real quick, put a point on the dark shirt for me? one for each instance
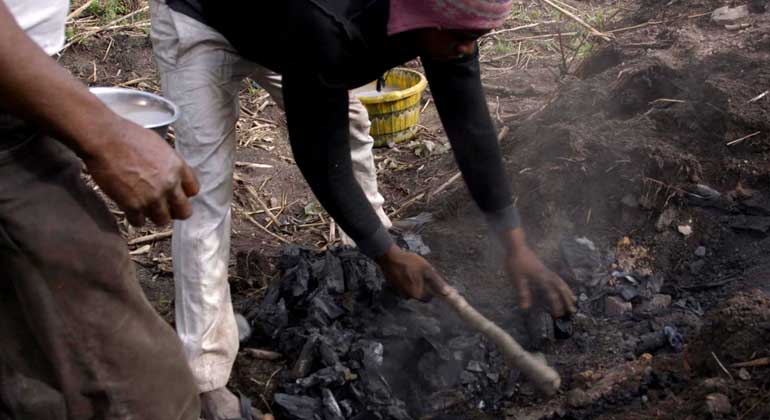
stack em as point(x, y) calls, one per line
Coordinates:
point(323, 48)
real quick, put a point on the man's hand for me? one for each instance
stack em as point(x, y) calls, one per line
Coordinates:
point(132, 165)
point(145, 177)
point(531, 277)
point(409, 273)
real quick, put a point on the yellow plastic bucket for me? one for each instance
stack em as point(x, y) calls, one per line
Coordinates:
point(395, 110)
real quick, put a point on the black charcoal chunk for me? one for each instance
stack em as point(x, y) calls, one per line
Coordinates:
point(332, 410)
point(297, 407)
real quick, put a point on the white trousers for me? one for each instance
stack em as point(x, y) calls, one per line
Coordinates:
point(202, 73)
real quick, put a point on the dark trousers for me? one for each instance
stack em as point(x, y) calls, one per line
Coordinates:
point(78, 338)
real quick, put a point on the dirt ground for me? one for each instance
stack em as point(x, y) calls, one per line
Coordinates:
point(655, 146)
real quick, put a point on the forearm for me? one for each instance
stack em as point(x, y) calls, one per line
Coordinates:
point(35, 87)
point(461, 104)
point(319, 138)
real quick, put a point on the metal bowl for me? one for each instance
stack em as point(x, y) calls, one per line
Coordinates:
point(143, 108)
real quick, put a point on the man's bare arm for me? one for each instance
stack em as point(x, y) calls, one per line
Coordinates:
point(134, 166)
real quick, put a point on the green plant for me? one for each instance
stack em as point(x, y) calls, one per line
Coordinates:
point(503, 47)
point(106, 10)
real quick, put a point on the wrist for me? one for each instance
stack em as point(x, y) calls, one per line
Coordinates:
point(98, 136)
point(390, 255)
point(514, 241)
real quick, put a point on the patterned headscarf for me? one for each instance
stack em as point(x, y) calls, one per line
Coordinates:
point(406, 15)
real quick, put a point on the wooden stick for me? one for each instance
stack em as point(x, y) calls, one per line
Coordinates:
point(518, 28)
point(133, 81)
point(724, 369)
point(150, 238)
point(639, 26)
point(266, 230)
point(77, 12)
point(445, 185)
point(758, 97)
point(263, 354)
point(406, 204)
point(568, 6)
point(545, 378)
point(764, 361)
point(582, 23)
point(265, 207)
point(252, 165)
point(544, 36)
point(736, 141)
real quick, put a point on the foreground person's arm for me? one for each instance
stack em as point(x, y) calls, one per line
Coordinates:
point(132, 165)
point(457, 92)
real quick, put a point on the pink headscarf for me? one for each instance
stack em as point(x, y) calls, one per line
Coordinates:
point(406, 15)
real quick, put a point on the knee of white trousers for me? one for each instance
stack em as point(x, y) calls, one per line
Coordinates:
point(360, 125)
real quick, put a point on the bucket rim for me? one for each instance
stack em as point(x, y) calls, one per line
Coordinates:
point(421, 84)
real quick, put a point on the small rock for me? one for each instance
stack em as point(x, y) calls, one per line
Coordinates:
point(700, 251)
point(467, 377)
point(728, 14)
point(628, 293)
point(657, 304)
point(494, 377)
point(685, 230)
point(616, 307)
point(716, 384)
point(718, 404)
point(744, 374)
point(674, 337)
point(562, 328)
point(697, 266)
point(474, 366)
point(586, 377)
point(244, 328)
point(666, 218)
point(540, 328)
point(578, 398)
point(630, 201)
point(583, 297)
point(703, 192)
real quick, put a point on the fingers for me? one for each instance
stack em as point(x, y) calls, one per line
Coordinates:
point(553, 298)
point(559, 296)
point(189, 181)
point(158, 212)
point(566, 294)
point(179, 204)
point(135, 217)
point(521, 283)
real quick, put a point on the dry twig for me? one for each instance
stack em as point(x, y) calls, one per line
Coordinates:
point(111, 25)
point(266, 230)
point(263, 354)
point(150, 238)
point(763, 361)
point(577, 19)
point(77, 12)
point(724, 369)
point(740, 140)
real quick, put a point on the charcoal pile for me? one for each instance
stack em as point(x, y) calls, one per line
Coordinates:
point(358, 351)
